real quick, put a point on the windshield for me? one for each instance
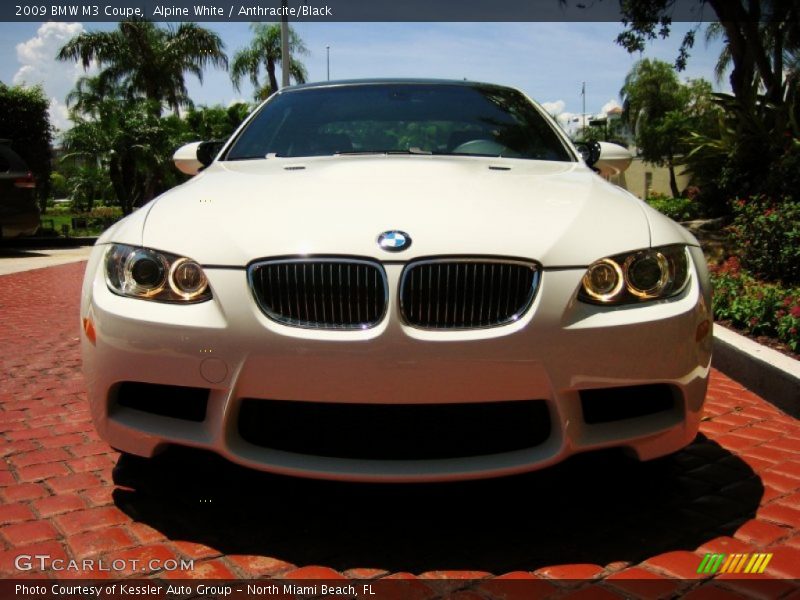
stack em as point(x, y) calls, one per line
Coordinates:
point(480, 120)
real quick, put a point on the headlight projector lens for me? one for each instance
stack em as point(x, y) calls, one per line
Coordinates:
point(647, 274)
point(145, 272)
point(603, 280)
point(186, 278)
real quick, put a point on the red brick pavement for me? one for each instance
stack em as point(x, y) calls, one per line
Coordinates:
point(737, 489)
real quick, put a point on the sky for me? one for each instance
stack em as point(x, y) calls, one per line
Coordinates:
point(547, 61)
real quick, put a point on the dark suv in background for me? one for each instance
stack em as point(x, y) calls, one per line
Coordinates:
point(19, 213)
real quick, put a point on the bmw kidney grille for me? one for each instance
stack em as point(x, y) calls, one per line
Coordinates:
point(466, 293)
point(321, 293)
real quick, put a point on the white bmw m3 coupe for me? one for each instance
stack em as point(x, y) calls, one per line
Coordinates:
point(396, 280)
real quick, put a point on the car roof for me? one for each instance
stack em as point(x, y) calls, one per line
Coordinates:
point(389, 81)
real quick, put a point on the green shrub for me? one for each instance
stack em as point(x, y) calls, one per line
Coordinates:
point(106, 212)
point(783, 177)
point(757, 307)
point(766, 233)
point(789, 322)
point(678, 209)
point(60, 210)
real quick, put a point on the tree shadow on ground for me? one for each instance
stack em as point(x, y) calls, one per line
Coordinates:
point(594, 508)
point(6, 252)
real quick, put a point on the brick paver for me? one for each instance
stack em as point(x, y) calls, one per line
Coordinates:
point(616, 527)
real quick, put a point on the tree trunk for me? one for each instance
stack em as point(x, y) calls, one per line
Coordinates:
point(273, 81)
point(673, 182)
point(115, 174)
point(731, 16)
point(154, 95)
point(748, 52)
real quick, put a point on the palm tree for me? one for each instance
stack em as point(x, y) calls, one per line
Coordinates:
point(785, 50)
point(88, 183)
point(148, 60)
point(89, 97)
point(265, 50)
point(131, 144)
point(779, 107)
point(214, 122)
point(654, 105)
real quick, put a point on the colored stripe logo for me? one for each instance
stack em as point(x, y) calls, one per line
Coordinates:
point(734, 563)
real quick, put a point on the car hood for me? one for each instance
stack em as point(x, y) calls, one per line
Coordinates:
point(560, 214)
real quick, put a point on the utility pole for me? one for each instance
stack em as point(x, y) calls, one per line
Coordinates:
point(583, 114)
point(286, 59)
point(328, 51)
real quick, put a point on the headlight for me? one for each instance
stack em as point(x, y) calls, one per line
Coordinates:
point(649, 274)
point(154, 275)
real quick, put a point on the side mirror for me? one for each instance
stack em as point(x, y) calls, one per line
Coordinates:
point(613, 160)
point(193, 158)
point(590, 152)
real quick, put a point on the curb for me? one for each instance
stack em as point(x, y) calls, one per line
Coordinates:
point(772, 375)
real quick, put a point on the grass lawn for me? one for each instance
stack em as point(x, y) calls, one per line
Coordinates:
point(92, 226)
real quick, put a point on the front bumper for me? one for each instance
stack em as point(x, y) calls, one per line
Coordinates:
point(557, 349)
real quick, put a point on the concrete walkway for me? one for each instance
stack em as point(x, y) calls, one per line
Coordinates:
point(15, 260)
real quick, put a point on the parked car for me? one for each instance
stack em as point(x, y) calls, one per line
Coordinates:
point(394, 280)
point(19, 213)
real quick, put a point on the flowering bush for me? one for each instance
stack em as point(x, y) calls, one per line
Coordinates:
point(766, 233)
point(692, 192)
point(789, 323)
point(759, 308)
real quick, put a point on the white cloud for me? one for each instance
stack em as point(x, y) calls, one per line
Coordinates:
point(609, 106)
point(49, 38)
point(59, 115)
point(554, 108)
point(39, 66)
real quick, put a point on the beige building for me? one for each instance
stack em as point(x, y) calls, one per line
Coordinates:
point(641, 177)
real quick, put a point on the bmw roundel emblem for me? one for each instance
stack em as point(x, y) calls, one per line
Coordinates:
point(394, 241)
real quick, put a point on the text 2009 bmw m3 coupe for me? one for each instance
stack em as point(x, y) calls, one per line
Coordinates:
point(396, 281)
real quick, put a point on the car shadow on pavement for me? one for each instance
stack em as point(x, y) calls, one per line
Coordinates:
point(594, 508)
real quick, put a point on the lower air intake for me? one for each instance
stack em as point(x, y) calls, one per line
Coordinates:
point(178, 402)
point(394, 432)
point(619, 403)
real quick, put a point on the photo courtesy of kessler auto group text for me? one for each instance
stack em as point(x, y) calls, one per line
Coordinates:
point(393, 300)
